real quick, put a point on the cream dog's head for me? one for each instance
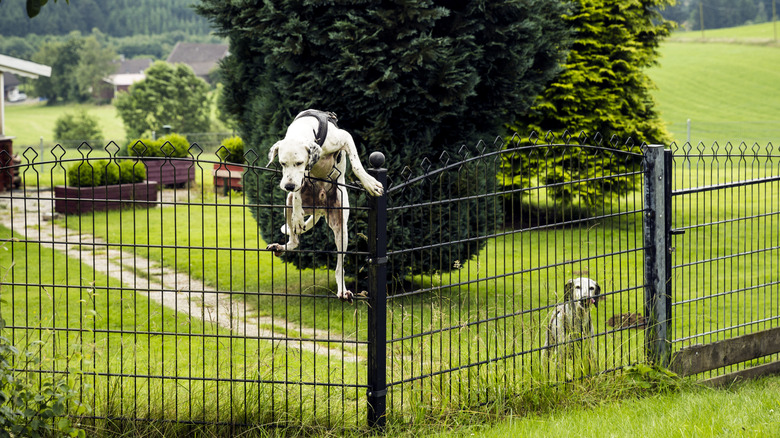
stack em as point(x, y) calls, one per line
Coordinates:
point(296, 159)
point(583, 291)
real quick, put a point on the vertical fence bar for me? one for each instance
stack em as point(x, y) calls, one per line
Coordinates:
point(658, 257)
point(377, 298)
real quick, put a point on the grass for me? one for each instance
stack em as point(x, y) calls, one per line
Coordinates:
point(28, 123)
point(142, 360)
point(726, 90)
point(762, 33)
point(750, 409)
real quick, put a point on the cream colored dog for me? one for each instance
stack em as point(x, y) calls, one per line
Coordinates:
point(570, 321)
point(313, 156)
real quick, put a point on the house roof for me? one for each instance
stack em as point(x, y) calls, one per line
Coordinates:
point(20, 67)
point(133, 66)
point(201, 57)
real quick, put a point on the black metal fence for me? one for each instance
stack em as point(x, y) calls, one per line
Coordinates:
point(171, 309)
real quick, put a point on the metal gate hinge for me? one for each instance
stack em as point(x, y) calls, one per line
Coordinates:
point(378, 261)
point(381, 393)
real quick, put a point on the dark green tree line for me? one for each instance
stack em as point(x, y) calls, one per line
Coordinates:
point(112, 17)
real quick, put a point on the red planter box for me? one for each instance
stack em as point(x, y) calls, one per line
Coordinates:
point(170, 171)
point(228, 175)
point(77, 200)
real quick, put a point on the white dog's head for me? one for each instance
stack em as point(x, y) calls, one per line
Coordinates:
point(583, 291)
point(296, 159)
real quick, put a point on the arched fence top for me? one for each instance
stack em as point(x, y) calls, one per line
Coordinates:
point(513, 146)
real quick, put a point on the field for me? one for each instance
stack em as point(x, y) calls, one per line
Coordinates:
point(29, 122)
point(727, 91)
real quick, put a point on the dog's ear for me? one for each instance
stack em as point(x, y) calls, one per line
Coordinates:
point(272, 153)
point(314, 153)
point(568, 291)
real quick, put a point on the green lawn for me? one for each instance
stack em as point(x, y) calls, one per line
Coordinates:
point(29, 122)
point(727, 91)
point(762, 33)
point(751, 409)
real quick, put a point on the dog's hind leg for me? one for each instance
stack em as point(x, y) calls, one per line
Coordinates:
point(338, 218)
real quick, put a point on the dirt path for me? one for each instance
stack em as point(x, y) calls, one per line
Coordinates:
point(31, 216)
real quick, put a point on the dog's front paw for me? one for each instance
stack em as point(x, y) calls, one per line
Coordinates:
point(373, 187)
point(298, 224)
point(276, 248)
point(345, 295)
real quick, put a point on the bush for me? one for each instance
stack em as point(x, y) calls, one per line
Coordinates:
point(169, 95)
point(144, 147)
point(71, 129)
point(87, 174)
point(98, 173)
point(29, 408)
point(171, 145)
point(131, 172)
point(174, 146)
point(232, 150)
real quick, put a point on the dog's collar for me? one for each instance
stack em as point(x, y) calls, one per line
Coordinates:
point(323, 118)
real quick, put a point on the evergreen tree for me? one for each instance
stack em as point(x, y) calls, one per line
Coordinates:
point(168, 95)
point(603, 89)
point(411, 78)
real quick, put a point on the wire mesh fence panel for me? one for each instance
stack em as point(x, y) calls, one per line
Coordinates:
point(726, 216)
point(165, 305)
point(479, 305)
point(507, 266)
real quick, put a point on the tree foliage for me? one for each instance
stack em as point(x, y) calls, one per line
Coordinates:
point(168, 95)
point(78, 65)
point(411, 78)
point(113, 17)
point(603, 89)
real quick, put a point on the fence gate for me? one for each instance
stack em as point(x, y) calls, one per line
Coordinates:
point(725, 247)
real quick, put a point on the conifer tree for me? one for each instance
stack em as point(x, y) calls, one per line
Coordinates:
point(602, 90)
point(411, 78)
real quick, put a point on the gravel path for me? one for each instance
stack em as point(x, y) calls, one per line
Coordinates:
point(30, 215)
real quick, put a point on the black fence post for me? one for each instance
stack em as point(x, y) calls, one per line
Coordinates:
point(658, 254)
point(377, 297)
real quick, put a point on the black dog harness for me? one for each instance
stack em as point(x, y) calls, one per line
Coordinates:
point(323, 118)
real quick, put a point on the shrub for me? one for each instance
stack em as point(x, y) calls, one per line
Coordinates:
point(131, 172)
point(144, 147)
point(232, 150)
point(174, 146)
point(111, 173)
point(87, 174)
point(171, 145)
point(98, 173)
point(71, 129)
point(168, 95)
point(29, 408)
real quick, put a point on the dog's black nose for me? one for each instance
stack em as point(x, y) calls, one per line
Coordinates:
point(289, 187)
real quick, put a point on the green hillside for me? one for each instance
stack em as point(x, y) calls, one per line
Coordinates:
point(729, 92)
point(755, 33)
